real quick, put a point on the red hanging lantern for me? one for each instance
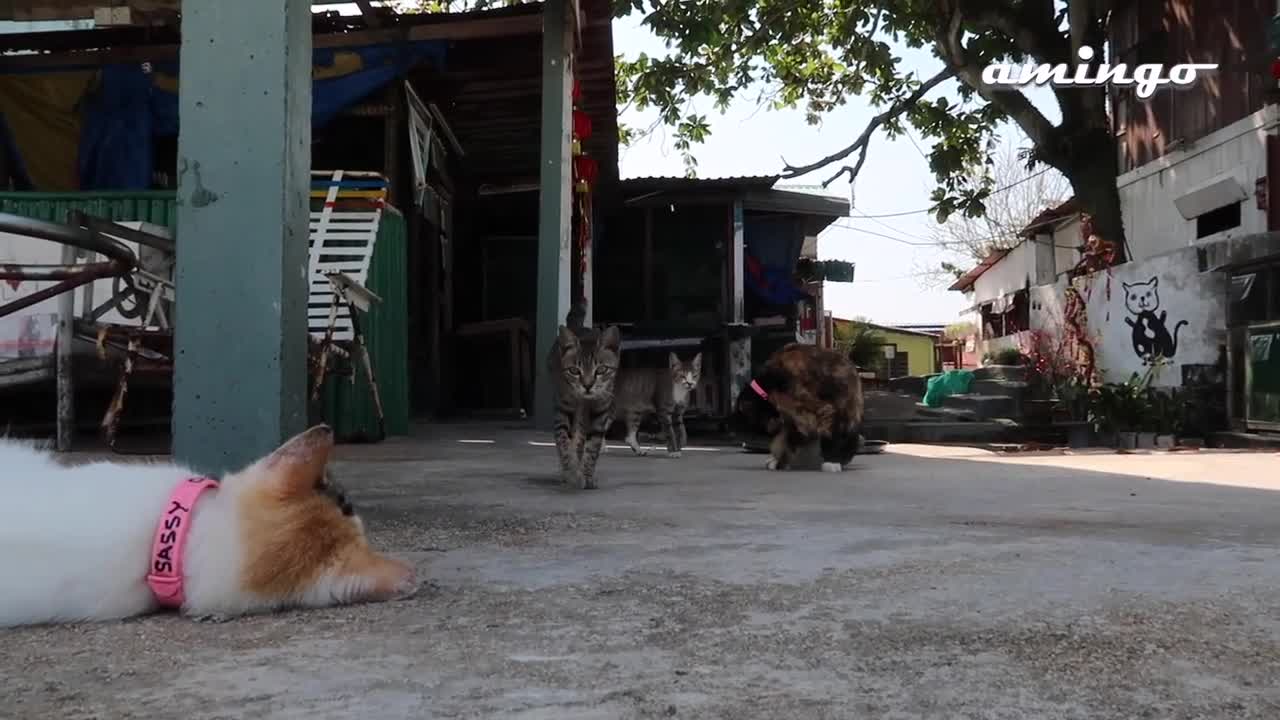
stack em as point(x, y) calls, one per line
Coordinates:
point(581, 125)
point(585, 171)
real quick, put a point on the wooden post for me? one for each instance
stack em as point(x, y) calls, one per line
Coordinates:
point(646, 264)
point(555, 212)
point(240, 340)
point(588, 263)
point(736, 265)
point(64, 360)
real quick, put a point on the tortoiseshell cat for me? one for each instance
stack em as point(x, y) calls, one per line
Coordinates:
point(661, 391)
point(583, 364)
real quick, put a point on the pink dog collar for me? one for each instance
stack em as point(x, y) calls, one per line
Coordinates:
point(759, 390)
point(165, 577)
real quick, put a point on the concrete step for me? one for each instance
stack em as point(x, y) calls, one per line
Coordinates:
point(889, 406)
point(909, 385)
point(1245, 440)
point(1000, 372)
point(924, 413)
point(943, 432)
point(985, 407)
point(1009, 388)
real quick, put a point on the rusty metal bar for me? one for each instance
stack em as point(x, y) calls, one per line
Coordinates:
point(52, 291)
point(108, 227)
point(121, 259)
point(57, 272)
point(68, 235)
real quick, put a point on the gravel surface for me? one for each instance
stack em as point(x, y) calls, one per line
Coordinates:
point(925, 582)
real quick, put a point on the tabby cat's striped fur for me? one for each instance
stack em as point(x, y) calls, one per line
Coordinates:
point(583, 364)
point(661, 391)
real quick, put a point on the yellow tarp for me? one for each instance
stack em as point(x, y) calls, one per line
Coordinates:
point(43, 112)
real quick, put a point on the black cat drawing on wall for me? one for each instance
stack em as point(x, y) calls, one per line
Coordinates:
point(1151, 337)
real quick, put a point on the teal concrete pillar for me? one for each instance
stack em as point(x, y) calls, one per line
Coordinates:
point(555, 211)
point(244, 160)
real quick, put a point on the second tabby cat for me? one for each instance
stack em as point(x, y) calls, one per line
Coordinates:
point(665, 392)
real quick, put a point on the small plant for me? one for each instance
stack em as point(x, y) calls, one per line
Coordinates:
point(959, 331)
point(1072, 395)
point(1053, 373)
point(1168, 408)
point(1124, 407)
point(863, 344)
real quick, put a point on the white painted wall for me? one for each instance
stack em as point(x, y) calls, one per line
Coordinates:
point(1185, 294)
point(1011, 274)
point(1153, 224)
point(1037, 261)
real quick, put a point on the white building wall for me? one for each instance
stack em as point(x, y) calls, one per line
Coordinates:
point(1066, 240)
point(1011, 274)
point(1153, 224)
point(1191, 307)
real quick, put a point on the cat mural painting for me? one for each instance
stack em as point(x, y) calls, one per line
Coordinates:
point(1152, 339)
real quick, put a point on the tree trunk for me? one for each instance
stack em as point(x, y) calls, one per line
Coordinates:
point(1093, 178)
point(1087, 155)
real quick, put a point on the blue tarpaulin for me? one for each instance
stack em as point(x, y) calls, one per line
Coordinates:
point(773, 244)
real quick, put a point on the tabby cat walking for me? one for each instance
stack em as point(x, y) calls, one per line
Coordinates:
point(583, 365)
point(664, 392)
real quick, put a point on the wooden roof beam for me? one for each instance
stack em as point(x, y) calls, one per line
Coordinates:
point(462, 29)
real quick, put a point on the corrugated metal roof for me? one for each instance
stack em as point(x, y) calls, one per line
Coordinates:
point(659, 182)
point(1047, 217)
point(887, 328)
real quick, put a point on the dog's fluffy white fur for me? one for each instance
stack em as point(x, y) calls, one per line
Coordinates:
point(75, 542)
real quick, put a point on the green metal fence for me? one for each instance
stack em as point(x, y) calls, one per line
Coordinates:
point(158, 207)
point(349, 408)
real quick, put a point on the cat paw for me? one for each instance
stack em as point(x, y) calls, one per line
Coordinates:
point(771, 464)
point(832, 467)
point(675, 454)
point(641, 452)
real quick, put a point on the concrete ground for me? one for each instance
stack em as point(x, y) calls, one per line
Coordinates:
point(925, 582)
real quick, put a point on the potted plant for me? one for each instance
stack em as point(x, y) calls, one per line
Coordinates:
point(1072, 396)
point(1104, 401)
point(1136, 410)
point(1169, 418)
point(1123, 408)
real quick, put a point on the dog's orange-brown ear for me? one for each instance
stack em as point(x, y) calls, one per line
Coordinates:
point(296, 465)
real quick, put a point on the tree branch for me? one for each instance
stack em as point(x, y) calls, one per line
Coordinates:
point(1038, 129)
point(853, 171)
point(894, 110)
point(1032, 27)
